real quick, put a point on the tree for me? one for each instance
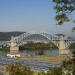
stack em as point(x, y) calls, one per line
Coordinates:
point(73, 62)
point(55, 71)
point(51, 71)
point(63, 9)
point(68, 66)
point(18, 69)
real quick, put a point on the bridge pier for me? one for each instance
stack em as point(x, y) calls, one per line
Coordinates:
point(62, 46)
point(64, 53)
point(13, 45)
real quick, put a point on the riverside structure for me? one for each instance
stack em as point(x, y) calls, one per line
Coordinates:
point(41, 62)
point(62, 42)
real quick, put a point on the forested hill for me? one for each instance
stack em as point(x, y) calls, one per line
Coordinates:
point(5, 36)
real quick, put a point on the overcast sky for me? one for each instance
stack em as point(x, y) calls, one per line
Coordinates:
point(29, 16)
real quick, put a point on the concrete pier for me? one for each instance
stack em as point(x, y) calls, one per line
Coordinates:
point(13, 45)
point(62, 47)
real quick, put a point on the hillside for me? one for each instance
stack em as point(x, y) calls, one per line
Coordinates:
point(5, 36)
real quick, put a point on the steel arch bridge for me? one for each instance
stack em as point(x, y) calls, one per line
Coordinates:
point(62, 42)
point(23, 38)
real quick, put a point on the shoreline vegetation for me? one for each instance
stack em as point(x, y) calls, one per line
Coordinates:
point(33, 46)
point(38, 46)
point(42, 46)
point(5, 49)
point(19, 69)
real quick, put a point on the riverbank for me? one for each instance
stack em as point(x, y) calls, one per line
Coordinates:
point(5, 49)
point(38, 46)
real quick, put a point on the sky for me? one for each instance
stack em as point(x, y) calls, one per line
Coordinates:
point(30, 16)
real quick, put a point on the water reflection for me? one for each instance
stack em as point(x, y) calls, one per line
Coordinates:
point(33, 52)
point(42, 52)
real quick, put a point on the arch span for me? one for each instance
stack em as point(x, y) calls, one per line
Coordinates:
point(42, 37)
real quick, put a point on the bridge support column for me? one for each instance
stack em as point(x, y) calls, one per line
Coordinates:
point(13, 45)
point(62, 46)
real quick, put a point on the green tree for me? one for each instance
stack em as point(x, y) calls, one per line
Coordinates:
point(73, 62)
point(42, 73)
point(63, 9)
point(69, 65)
point(18, 69)
point(55, 71)
point(52, 71)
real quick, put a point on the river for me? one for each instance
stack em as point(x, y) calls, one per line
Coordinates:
point(37, 65)
point(53, 52)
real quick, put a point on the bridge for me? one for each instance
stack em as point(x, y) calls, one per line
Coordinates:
point(61, 41)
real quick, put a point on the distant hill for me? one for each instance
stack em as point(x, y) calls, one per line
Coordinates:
point(5, 36)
